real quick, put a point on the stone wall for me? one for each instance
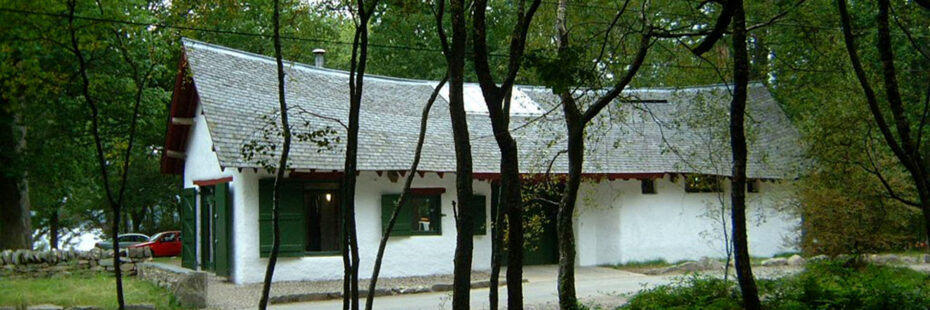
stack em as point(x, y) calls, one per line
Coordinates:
point(37, 264)
point(189, 287)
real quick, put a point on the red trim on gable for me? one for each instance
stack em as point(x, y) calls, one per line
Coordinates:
point(428, 191)
point(184, 102)
point(213, 181)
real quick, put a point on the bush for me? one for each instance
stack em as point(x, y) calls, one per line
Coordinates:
point(830, 285)
point(822, 285)
point(693, 292)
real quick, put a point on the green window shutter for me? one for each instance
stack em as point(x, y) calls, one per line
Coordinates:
point(292, 221)
point(404, 224)
point(479, 214)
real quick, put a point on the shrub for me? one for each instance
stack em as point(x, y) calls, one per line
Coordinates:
point(830, 285)
point(822, 285)
point(693, 292)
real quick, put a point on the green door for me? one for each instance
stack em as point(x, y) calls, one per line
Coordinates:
point(206, 227)
point(221, 229)
point(541, 248)
point(188, 228)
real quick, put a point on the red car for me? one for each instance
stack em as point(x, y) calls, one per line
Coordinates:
point(166, 243)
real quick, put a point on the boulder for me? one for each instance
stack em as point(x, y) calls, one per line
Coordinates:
point(127, 267)
point(6, 256)
point(777, 261)
point(796, 260)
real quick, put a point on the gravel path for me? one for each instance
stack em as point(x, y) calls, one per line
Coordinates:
point(225, 295)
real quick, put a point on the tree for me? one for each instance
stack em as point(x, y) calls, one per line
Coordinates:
point(906, 145)
point(115, 198)
point(497, 99)
point(363, 11)
point(282, 163)
point(576, 119)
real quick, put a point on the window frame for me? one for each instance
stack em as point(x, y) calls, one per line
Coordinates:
point(309, 186)
point(435, 201)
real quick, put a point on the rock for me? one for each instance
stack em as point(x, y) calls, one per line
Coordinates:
point(45, 307)
point(7, 308)
point(97, 268)
point(140, 307)
point(441, 287)
point(16, 257)
point(413, 290)
point(796, 260)
point(147, 253)
point(107, 262)
point(909, 260)
point(777, 261)
point(708, 263)
point(84, 308)
point(819, 258)
point(127, 267)
point(925, 259)
point(6, 256)
point(887, 259)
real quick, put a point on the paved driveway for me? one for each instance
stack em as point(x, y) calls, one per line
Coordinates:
point(594, 285)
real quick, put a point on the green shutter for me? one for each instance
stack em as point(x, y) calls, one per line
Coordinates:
point(403, 225)
point(292, 221)
point(189, 228)
point(479, 214)
point(221, 229)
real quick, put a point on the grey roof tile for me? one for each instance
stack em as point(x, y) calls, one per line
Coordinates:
point(688, 134)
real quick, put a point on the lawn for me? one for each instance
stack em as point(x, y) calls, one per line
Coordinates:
point(82, 288)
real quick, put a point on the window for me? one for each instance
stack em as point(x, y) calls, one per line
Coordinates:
point(699, 183)
point(309, 217)
point(323, 219)
point(420, 215)
point(648, 185)
point(752, 186)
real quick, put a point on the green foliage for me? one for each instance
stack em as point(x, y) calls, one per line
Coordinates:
point(692, 292)
point(830, 285)
point(822, 285)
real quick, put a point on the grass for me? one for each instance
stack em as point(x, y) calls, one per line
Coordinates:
point(82, 289)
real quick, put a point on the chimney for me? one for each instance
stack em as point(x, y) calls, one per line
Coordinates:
point(319, 57)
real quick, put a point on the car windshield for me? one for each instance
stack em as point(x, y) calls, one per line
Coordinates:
point(156, 236)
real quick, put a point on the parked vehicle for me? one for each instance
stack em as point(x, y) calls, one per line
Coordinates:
point(166, 243)
point(125, 240)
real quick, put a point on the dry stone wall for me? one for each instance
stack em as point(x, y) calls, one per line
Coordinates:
point(37, 264)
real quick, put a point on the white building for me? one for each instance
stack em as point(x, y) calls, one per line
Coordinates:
point(652, 163)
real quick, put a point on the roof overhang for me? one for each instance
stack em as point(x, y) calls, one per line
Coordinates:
point(183, 105)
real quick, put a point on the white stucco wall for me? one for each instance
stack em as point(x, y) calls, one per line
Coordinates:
point(404, 256)
point(616, 223)
point(201, 164)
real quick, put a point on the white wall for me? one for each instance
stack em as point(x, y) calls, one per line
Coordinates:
point(202, 164)
point(404, 255)
point(616, 223)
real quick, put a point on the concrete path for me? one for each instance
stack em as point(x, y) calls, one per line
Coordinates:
point(594, 285)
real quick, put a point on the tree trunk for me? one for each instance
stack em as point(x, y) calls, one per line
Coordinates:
point(282, 163)
point(53, 230)
point(510, 193)
point(497, 238)
point(15, 222)
point(738, 145)
point(463, 160)
point(565, 230)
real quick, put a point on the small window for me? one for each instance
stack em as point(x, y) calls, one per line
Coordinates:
point(698, 183)
point(420, 215)
point(649, 186)
point(753, 186)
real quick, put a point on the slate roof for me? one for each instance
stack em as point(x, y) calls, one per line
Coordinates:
point(684, 133)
